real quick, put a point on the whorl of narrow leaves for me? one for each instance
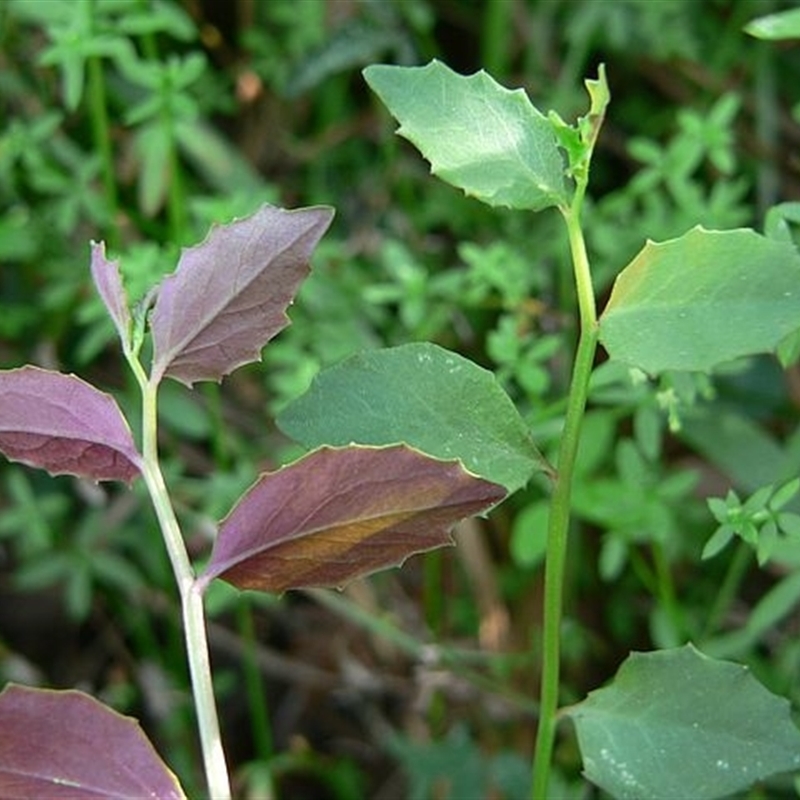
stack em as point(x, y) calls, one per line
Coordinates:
point(229, 294)
point(62, 424)
point(339, 513)
point(68, 746)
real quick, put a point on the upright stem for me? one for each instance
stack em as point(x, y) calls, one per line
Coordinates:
point(558, 522)
point(191, 597)
point(101, 131)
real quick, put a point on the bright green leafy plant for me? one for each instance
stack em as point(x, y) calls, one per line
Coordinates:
point(688, 304)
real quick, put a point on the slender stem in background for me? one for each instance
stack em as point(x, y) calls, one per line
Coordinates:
point(176, 201)
point(558, 521)
point(101, 130)
point(496, 25)
point(667, 597)
point(257, 697)
point(432, 594)
point(427, 654)
point(729, 589)
point(191, 596)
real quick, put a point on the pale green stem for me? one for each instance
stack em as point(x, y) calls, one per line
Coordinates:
point(558, 521)
point(191, 596)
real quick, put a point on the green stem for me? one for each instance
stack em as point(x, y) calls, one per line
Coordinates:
point(191, 596)
point(101, 131)
point(558, 522)
point(427, 654)
point(257, 697)
point(729, 589)
point(495, 39)
point(176, 204)
point(433, 602)
point(666, 590)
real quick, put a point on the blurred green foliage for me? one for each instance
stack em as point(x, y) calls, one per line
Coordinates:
point(141, 122)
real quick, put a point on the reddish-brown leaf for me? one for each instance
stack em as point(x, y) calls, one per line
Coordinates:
point(339, 513)
point(62, 424)
point(229, 294)
point(108, 282)
point(69, 746)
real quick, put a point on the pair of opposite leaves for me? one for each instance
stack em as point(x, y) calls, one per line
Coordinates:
point(331, 516)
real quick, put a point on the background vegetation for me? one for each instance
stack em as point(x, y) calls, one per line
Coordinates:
point(140, 122)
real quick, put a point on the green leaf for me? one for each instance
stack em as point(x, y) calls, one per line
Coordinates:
point(479, 136)
point(702, 299)
point(784, 494)
point(718, 541)
point(782, 25)
point(153, 143)
point(422, 395)
point(737, 446)
point(780, 601)
point(676, 724)
point(529, 534)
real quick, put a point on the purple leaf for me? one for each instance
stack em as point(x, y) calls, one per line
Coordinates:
point(339, 513)
point(62, 424)
point(68, 746)
point(229, 294)
point(107, 279)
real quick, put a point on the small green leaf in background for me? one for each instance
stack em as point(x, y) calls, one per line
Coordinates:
point(422, 395)
point(760, 520)
point(479, 136)
point(675, 724)
point(704, 298)
point(782, 25)
point(455, 768)
point(529, 534)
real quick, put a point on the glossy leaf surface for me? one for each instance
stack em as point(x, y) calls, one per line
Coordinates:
point(479, 136)
point(108, 281)
point(339, 513)
point(229, 294)
point(62, 424)
point(677, 724)
point(68, 746)
point(425, 396)
point(702, 299)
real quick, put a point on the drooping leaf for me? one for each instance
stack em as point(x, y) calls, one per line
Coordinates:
point(229, 294)
point(65, 745)
point(707, 297)
point(425, 396)
point(108, 282)
point(339, 513)
point(676, 724)
point(62, 424)
point(479, 136)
